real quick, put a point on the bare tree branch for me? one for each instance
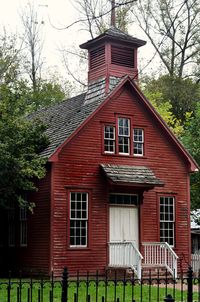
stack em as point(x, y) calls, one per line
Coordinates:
point(173, 29)
point(34, 44)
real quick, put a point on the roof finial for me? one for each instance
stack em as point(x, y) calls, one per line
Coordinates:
point(113, 13)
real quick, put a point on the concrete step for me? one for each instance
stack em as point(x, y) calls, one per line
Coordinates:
point(123, 273)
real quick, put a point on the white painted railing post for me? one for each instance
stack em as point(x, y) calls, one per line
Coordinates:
point(125, 254)
point(160, 254)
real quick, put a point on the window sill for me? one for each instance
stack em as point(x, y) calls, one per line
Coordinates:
point(78, 248)
point(124, 155)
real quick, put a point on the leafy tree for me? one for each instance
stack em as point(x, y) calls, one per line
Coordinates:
point(9, 57)
point(21, 141)
point(48, 93)
point(164, 108)
point(183, 94)
point(191, 139)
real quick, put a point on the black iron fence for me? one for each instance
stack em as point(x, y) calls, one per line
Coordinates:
point(113, 286)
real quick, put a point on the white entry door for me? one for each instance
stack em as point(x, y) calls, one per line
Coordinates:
point(124, 224)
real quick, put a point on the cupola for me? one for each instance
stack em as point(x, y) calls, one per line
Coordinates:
point(112, 54)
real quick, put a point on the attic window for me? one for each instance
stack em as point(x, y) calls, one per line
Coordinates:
point(122, 56)
point(97, 57)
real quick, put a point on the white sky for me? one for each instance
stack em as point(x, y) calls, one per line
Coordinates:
point(58, 13)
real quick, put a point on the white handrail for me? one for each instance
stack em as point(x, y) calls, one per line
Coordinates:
point(160, 254)
point(171, 250)
point(125, 254)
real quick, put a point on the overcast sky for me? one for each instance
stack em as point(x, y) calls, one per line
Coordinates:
point(53, 13)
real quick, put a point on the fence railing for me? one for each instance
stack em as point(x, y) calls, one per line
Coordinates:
point(125, 254)
point(101, 288)
point(195, 263)
point(160, 254)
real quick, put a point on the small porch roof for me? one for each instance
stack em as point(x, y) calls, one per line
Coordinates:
point(139, 176)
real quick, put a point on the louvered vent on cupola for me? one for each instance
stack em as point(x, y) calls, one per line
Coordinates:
point(97, 57)
point(112, 54)
point(122, 56)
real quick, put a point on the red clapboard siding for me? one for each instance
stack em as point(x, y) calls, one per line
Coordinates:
point(35, 256)
point(78, 167)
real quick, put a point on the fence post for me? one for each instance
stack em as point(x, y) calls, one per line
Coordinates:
point(169, 298)
point(64, 297)
point(190, 284)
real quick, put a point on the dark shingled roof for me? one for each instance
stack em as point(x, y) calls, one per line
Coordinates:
point(134, 175)
point(64, 118)
point(114, 34)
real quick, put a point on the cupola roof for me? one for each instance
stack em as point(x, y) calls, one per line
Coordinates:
point(113, 34)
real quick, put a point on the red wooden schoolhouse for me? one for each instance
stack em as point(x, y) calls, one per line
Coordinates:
point(117, 188)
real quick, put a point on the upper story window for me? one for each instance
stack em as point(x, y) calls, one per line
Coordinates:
point(138, 142)
point(78, 219)
point(124, 135)
point(122, 139)
point(109, 139)
point(167, 219)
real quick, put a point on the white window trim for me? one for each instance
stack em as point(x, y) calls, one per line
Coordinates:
point(110, 139)
point(80, 219)
point(123, 136)
point(169, 221)
point(139, 142)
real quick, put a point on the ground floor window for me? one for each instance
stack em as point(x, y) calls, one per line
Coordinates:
point(167, 219)
point(23, 226)
point(78, 219)
point(13, 225)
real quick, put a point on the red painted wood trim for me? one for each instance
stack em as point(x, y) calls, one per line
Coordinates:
point(189, 225)
point(51, 218)
point(108, 226)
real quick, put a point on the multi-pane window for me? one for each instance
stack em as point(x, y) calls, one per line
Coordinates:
point(124, 199)
point(3, 222)
point(124, 135)
point(138, 141)
point(11, 224)
point(109, 139)
point(23, 226)
point(78, 219)
point(122, 139)
point(167, 219)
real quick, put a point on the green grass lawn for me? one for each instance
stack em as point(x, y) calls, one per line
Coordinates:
point(139, 292)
